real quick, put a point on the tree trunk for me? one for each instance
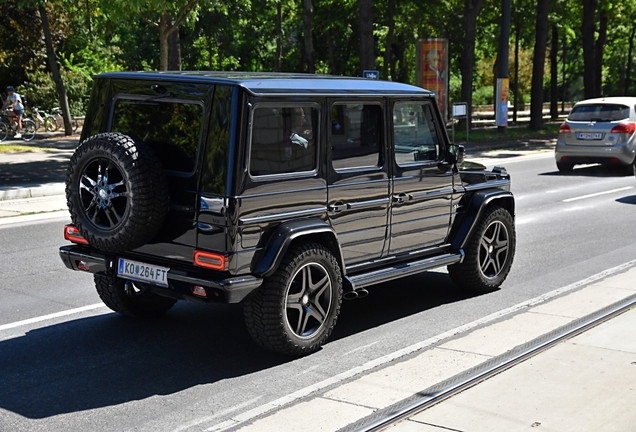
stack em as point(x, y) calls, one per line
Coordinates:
point(388, 54)
point(538, 65)
point(588, 28)
point(471, 11)
point(308, 11)
point(55, 71)
point(599, 51)
point(367, 45)
point(174, 47)
point(164, 27)
point(628, 68)
point(515, 108)
point(554, 74)
point(89, 20)
point(279, 36)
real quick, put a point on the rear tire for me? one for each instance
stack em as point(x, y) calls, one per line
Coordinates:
point(130, 298)
point(565, 167)
point(28, 130)
point(489, 253)
point(295, 310)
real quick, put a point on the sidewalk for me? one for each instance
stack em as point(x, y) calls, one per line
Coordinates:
point(587, 383)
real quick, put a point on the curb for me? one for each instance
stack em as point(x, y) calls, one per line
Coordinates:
point(31, 191)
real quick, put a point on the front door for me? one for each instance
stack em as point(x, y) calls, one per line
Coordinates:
point(358, 186)
point(422, 185)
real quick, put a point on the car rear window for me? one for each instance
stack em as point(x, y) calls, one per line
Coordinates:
point(599, 113)
point(171, 128)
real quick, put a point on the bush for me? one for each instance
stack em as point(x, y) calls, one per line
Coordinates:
point(40, 90)
point(484, 96)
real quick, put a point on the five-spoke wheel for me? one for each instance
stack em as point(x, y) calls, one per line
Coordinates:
point(493, 249)
point(296, 308)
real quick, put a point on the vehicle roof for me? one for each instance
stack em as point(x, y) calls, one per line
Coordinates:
point(622, 100)
point(273, 83)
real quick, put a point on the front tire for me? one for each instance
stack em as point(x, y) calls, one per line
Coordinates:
point(130, 298)
point(489, 253)
point(295, 310)
point(4, 131)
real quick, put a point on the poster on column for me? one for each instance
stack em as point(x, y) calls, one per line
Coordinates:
point(432, 67)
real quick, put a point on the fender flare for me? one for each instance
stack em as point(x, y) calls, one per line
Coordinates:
point(266, 262)
point(464, 226)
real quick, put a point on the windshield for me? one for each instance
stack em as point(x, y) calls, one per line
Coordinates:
point(599, 113)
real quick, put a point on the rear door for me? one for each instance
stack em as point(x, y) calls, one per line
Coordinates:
point(358, 179)
point(422, 183)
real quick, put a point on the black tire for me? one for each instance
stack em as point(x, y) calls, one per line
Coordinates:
point(4, 131)
point(130, 299)
point(489, 253)
point(565, 167)
point(116, 192)
point(291, 313)
point(28, 130)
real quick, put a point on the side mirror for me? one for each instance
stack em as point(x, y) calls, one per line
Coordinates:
point(458, 152)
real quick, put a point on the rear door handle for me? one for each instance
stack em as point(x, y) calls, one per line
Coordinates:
point(337, 207)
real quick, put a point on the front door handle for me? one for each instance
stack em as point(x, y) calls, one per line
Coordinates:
point(337, 207)
point(401, 198)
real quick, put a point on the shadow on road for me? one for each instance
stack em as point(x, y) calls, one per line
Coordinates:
point(593, 171)
point(627, 200)
point(109, 360)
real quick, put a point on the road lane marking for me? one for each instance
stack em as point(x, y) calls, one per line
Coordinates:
point(597, 194)
point(224, 412)
point(51, 316)
point(380, 361)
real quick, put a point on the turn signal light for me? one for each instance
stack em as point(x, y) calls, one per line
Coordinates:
point(72, 234)
point(211, 260)
point(565, 128)
point(626, 128)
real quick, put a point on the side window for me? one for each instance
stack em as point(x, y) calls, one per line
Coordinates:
point(214, 172)
point(172, 129)
point(356, 136)
point(284, 140)
point(414, 132)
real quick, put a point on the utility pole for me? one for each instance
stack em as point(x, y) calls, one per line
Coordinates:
point(504, 44)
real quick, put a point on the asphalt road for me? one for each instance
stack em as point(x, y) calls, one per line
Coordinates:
point(192, 369)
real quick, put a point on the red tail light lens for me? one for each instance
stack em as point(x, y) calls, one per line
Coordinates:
point(565, 128)
point(72, 234)
point(211, 260)
point(626, 128)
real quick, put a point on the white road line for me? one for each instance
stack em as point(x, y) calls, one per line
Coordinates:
point(217, 414)
point(598, 194)
point(255, 412)
point(51, 316)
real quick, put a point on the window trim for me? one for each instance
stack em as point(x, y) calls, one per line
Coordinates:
point(383, 145)
point(250, 131)
point(440, 138)
point(126, 96)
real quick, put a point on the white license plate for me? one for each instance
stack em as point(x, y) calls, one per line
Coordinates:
point(589, 135)
point(143, 272)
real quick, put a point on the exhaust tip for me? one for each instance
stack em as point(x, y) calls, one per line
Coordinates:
point(362, 292)
point(350, 295)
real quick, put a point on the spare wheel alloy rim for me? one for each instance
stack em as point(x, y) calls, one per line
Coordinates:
point(104, 195)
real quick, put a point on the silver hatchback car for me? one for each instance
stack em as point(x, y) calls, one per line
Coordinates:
point(598, 131)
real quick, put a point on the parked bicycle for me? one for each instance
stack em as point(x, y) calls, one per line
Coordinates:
point(43, 120)
point(59, 119)
point(9, 127)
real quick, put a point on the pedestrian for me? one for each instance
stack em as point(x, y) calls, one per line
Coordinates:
point(14, 104)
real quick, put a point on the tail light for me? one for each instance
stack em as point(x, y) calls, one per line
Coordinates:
point(626, 128)
point(211, 260)
point(565, 128)
point(72, 234)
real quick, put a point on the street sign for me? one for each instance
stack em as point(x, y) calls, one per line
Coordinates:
point(371, 74)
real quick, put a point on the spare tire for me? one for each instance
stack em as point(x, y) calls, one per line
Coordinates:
point(116, 192)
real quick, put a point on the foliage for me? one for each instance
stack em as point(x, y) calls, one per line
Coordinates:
point(40, 91)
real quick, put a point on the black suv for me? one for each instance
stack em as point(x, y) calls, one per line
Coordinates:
point(284, 192)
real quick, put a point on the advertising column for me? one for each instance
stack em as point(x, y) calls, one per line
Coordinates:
point(432, 70)
point(501, 104)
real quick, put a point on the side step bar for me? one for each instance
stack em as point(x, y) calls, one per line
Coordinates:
point(404, 269)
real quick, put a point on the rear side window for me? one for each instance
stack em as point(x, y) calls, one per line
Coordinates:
point(599, 113)
point(284, 140)
point(414, 134)
point(171, 128)
point(356, 135)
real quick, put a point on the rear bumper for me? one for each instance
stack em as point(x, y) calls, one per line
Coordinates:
point(595, 154)
point(181, 278)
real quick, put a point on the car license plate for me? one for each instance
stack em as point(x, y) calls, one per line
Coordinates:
point(143, 272)
point(589, 135)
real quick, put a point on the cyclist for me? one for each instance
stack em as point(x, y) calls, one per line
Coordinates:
point(14, 103)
